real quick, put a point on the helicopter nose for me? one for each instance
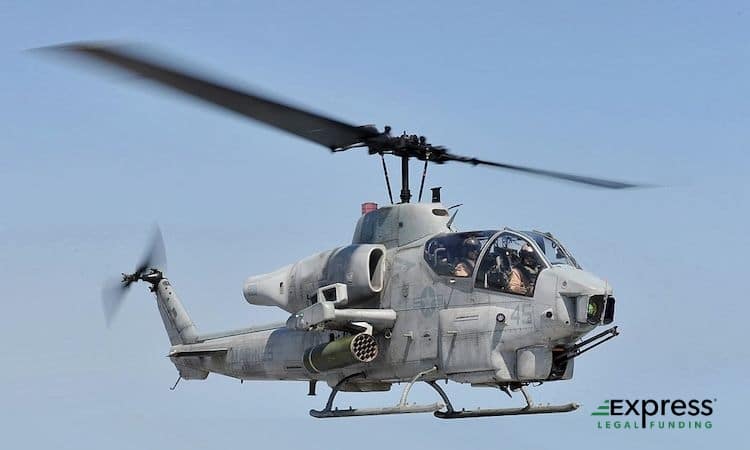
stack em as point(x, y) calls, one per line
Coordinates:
point(592, 296)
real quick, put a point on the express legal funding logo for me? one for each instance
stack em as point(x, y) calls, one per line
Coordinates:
point(653, 414)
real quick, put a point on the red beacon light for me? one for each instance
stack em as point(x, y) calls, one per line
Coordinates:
point(369, 207)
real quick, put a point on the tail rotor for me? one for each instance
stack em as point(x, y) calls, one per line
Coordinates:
point(152, 265)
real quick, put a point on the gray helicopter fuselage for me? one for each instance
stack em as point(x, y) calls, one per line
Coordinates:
point(409, 300)
point(471, 333)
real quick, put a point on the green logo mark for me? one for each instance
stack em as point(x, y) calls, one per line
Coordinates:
point(602, 410)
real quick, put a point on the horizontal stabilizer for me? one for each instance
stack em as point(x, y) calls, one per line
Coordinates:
point(196, 350)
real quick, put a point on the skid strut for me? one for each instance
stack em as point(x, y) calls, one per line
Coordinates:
point(401, 408)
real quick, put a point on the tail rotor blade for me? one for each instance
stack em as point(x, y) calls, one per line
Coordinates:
point(115, 290)
point(155, 256)
point(113, 293)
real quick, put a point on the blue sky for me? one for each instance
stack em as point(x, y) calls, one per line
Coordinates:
point(653, 92)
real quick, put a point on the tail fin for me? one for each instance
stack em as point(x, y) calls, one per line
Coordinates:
point(180, 328)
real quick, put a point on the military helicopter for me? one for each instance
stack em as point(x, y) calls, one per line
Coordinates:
point(409, 300)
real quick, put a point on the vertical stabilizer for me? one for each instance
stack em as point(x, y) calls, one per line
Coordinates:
point(180, 328)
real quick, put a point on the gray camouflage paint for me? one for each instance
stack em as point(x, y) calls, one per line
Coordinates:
point(441, 321)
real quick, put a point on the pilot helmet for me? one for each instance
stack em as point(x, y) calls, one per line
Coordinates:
point(471, 244)
point(526, 254)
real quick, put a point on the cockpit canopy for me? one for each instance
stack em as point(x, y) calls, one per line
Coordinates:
point(510, 260)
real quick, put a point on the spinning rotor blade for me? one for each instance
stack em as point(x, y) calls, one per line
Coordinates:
point(325, 131)
point(330, 133)
point(591, 181)
point(155, 256)
point(114, 291)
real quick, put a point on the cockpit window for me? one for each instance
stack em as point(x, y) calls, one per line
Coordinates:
point(553, 250)
point(510, 264)
point(455, 254)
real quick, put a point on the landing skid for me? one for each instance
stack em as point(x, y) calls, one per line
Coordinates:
point(450, 412)
point(398, 409)
point(530, 408)
point(401, 408)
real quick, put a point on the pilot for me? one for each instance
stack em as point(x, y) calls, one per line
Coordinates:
point(523, 275)
point(465, 266)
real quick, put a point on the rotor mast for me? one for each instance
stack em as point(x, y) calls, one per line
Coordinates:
point(405, 192)
point(405, 146)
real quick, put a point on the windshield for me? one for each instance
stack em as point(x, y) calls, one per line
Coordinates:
point(455, 254)
point(552, 249)
point(510, 264)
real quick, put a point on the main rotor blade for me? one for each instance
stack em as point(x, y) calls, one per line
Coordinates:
point(325, 131)
point(591, 181)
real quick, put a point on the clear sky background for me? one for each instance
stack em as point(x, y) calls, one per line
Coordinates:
point(653, 92)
